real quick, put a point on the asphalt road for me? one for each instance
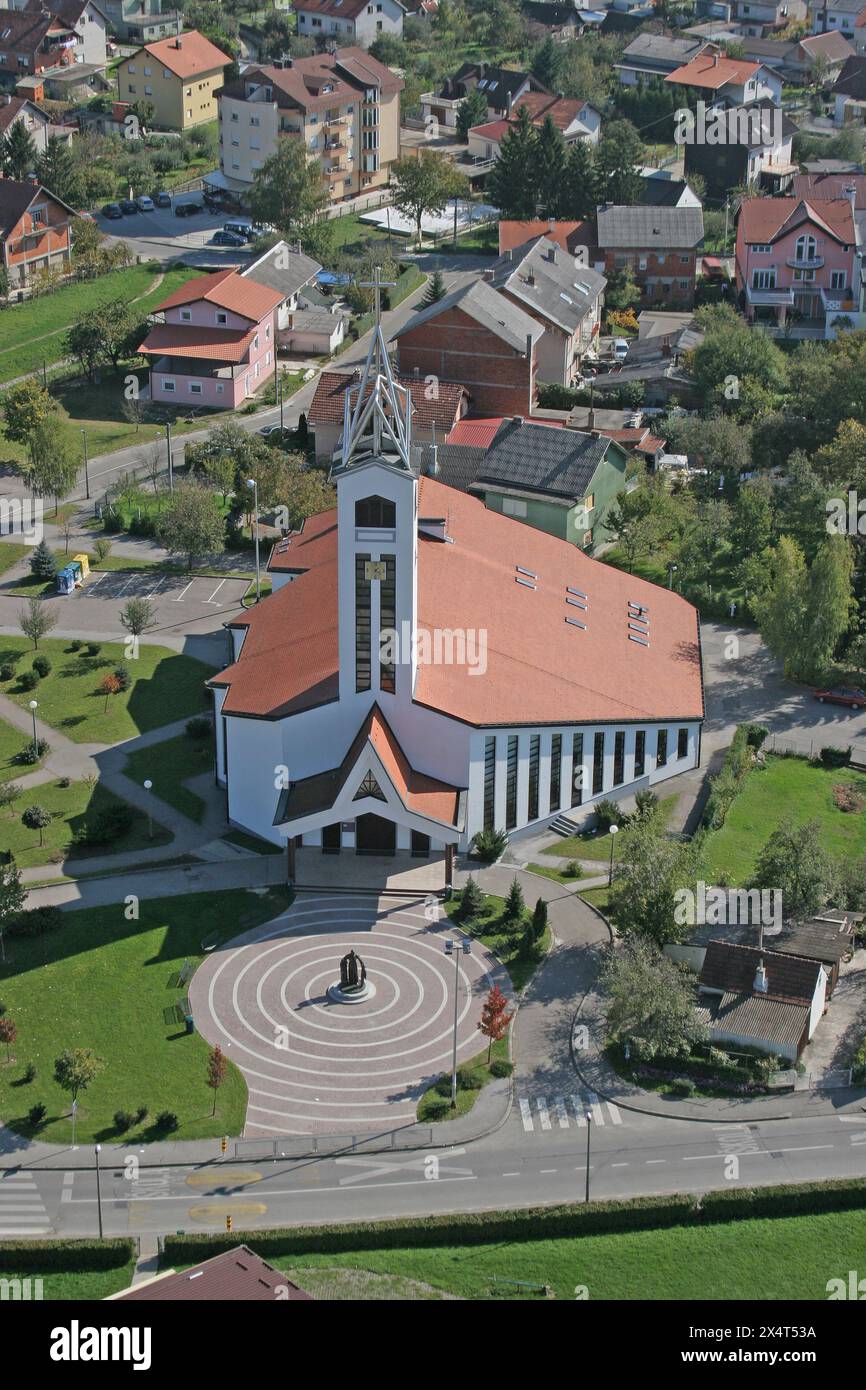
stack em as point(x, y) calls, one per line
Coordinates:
point(641, 1155)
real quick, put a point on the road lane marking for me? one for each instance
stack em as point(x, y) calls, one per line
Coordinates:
point(577, 1102)
point(68, 1180)
point(541, 1105)
point(526, 1116)
point(561, 1112)
point(213, 598)
point(179, 598)
point(613, 1111)
point(804, 1148)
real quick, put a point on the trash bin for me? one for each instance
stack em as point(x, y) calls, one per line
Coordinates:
point(190, 1023)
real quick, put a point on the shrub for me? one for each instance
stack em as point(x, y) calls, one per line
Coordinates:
point(166, 1122)
point(199, 727)
point(41, 665)
point(848, 798)
point(487, 845)
point(499, 1067)
point(572, 869)
point(756, 735)
point(36, 921)
point(121, 674)
point(111, 824)
point(683, 1086)
point(64, 782)
point(31, 752)
point(607, 813)
point(123, 1121)
point(36, 1114)
point(141, 1115)
point(28, 680)
point(94, 648)
point(75, 645)
point(834, 757)
point(646, 805)
point(7, 672)
point(438, 1109)
point(469, 1079)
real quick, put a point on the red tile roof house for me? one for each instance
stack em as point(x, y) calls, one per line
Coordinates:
point(577, 120)
point(436, 409)
point(35, 230)
point(797, 258)
point(477, 337)
point(33, 40)
point(731, 81)
point(216, 344)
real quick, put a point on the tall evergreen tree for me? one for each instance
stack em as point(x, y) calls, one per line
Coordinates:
point(435, 290)
point(56, 169)
point(620, 152)
point(20, 153)
point(547, 62)
point(579, 197)
point(512, 186)
point(471, 111)
point(551, 163)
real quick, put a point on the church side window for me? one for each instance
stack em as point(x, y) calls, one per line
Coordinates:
point(387, 620)
point(555, 771)
point(511, 783)
point(489, 782)
point(598, 764)
point(362, 624)
point(576, 769)
point(534, 758)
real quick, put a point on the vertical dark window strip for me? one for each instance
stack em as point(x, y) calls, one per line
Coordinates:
point(362, 624)
point(662, 748)
point(598, 764)
point(534, 759)
point(555, 771)
point(682, 742)
point(387, 620)
point(576, 769)
point(639, 753)
point(489, 783)
point(511, 784)
point(618, 757)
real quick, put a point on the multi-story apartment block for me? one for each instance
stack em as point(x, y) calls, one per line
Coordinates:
point(40, 37)
point(350, 21)
point(180, 76)
point(344, 106)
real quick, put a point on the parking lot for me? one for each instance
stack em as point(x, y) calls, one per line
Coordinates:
point(162, 589)
point(161, 234)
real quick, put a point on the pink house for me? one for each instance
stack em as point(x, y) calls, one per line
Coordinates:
point(216, 345)
point(796, 264)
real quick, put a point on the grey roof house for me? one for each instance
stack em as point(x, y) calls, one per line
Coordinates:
point(762, 998)
point(655, 55)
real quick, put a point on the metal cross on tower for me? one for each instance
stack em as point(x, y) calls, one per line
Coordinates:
point(377, 415)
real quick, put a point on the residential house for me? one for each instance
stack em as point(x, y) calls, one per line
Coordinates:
point(657, 191)
point(755, 148)
point(234, 1276)
point(659, 245)
point(831, 186)
point(180, 76)
point(90, 24)
point(500, 87)
point(798, 260)
point(656, 55)
point(344, 106)
point(569, 236)
point(35, 230)
point(37, 39)
point(301, 325)
point(481, 339)
point(829, 938)
point(577, 120)
point(21, 111)
point(759, 998)
point(561, 22)
point(849, 92)
point(728, 81)
point(436, 409)
point(762, 17)
point(350, 21)
point(561, 481)
point(565, 299)
point(142, 21)
point(846, 17)
point(216, 345)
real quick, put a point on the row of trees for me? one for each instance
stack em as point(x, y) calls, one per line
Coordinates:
point(537, 174)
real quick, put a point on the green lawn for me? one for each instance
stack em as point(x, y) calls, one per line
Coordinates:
point(251, 842)
point(558, 875)
point(90, 1286)
point(466, 1095)
point(176, 760)
point(783, 1258)
point(71, 807)
point(11, 742)
point(352, 236)
point(598, 897)
point(787, 789)
point(106, 983)
point(10, 553)
point(164, 686)
point(597, 846)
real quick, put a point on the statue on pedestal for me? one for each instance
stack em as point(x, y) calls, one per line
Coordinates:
point(353, 972)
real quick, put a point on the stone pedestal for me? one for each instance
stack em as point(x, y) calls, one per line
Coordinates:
point(356, 994)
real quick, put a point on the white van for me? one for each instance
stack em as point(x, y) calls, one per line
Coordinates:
point(241, 226)
point(619, 348)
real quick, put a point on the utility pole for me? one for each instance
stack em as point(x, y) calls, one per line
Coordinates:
point(86, 475)
point(170, 463)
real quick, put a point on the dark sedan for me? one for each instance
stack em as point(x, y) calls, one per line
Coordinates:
point(112, 211)
point(128, 206)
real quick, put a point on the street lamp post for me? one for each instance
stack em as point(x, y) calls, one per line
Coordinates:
point(34, 705)
point(451, 950)
point(86, 474)
point(281, 399)
point(672, 569)
point(147, 786)
point(588, 1133)
point(96, 1150)
point(170, 460)
point(251, 483)
point(612, 832)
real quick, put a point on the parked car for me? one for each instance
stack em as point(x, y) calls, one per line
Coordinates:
point(853, 698)
point(240, 227)
point(128, 206)
point(188, 209)
point(112, 211)
point(163, 199)
point(144, 203)
point(228, 239)
point(619, 348)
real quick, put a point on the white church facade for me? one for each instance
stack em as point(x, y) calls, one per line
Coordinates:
point(425, 668)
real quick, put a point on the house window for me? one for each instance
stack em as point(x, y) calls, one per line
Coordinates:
point(682, 742)
point(221, 317)
point(764, 279)
point(194, 388)
point(167, 384)
point(420, 845)
point(534, 758)
point(511, 783)
point(662, 748)
point(146, 71)
point(618, 757)
point(220, 388)
point(576, 769)
point(186, 315)
point(375, 511)
point(131, 68)
point(837, 279)
point(598, 764)
point(148, 90)
point(807, 248)
point(513, 506)
point(362, 624)
point(589, 502)
point(639, 753)
point(683, 284)
point(762, 250)
point(555, 772)
point(38, 216)
point(130, 87)
point(489, 782)
point(684, 260)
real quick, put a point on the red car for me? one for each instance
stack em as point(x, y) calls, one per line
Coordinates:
point(854, 699)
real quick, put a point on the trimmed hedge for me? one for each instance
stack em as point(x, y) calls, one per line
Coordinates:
point(729, 779)
point(540, 1223)
point(75, 1256)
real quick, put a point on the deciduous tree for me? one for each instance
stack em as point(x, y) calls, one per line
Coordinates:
point(495, 1018)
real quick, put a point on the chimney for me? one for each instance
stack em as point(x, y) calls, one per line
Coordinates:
point(551, 223)
point(590, 419)
point(416, 373)
point(715, 60)
point(551, 255)
point(760, 983)
point(529, 346)
point(433, 465)
point(851, 195)
point(178, 43)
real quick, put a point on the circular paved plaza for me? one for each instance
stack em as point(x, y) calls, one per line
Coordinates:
point(316, 1067)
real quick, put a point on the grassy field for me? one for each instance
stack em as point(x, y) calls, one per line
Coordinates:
point(597, 847)
point(798, 1255)
point(10, 553)
point(90, 1285)
point(163, 685)
point(106, 983)
point(492, 933)
point(558, 875)
point(178, 759)
point(71, 807)
point(11, 742)
point(598, 897)
point(787, 789)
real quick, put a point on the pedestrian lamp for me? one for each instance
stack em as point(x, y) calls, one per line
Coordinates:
point(612, 831)
point(147, 787)
point(253, 485)
point(34, 705)
point(672, 569)
point(450, 944)
point(588, 1133)
point(97, 1149)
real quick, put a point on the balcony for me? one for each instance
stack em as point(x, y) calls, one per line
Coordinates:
point(805, 262)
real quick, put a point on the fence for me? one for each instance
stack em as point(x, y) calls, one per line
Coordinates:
point(811, 748)
point(325, 1145)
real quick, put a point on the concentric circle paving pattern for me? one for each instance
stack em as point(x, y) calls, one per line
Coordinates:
point(316, 1067)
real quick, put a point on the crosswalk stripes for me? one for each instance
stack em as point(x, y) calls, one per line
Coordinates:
point(22, 1211)
point(567, 1110)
